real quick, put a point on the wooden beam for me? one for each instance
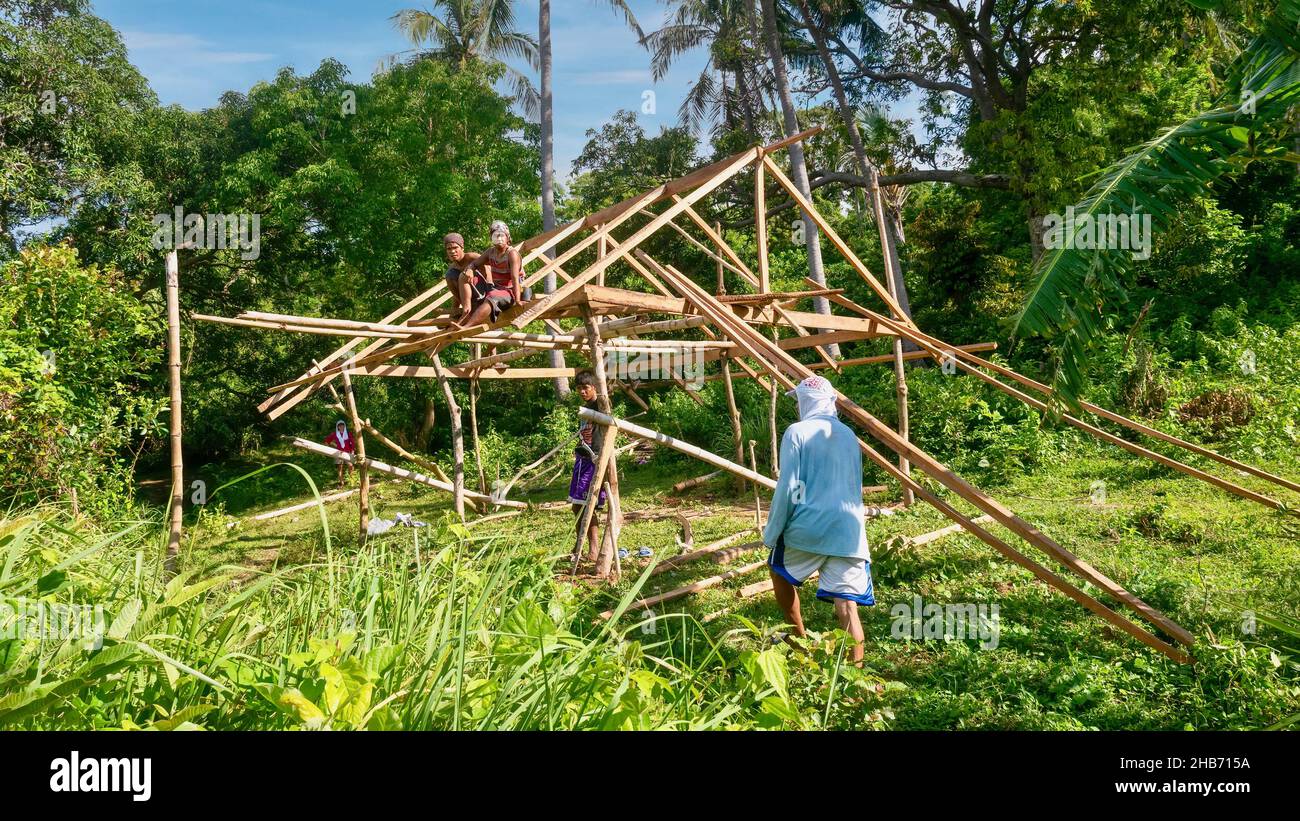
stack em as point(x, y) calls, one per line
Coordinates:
point(785, 369)
point(628, 245)
point(401, 473)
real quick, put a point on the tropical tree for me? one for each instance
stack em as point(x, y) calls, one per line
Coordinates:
point(1252, 121)
point(730, 29)
point(465, 31)
point(798, 166)
point(548, 140)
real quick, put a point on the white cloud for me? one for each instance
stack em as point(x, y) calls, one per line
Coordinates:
point(188, 49)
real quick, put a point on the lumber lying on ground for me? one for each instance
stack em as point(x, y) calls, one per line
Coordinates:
point(410, 476)
point(936, 535)
point(694, 587)
point(673, 562)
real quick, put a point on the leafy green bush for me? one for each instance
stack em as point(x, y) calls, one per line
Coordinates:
point(77, 353)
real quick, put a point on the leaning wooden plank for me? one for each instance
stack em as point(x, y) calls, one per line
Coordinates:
point(1105, 436)
point(694, 587)
point(630, 244)
point(285, 511)
point(1131, 424)
point(400, 473)
point(717, 239)
point(336, 324)
point(835, 240)
point(401, 311)
point(296, 329)
point(543, 241)
point(785, 370)
point(678, 445)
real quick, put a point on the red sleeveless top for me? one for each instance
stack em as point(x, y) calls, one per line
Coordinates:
point(499, 272)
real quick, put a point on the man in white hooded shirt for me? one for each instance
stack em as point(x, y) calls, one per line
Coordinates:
point(816, 523)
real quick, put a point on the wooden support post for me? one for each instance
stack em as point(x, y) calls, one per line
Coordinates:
point(900, 373)
point(603, 459)
point(607, 554)
point(363, 469)
point(174, 380)
point(457, 437)
point(473, 424)
point(773, 442)
point(737, 434)
point(758, 504)
point(760, 224)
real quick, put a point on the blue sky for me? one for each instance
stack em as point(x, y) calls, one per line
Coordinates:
point(193, 52)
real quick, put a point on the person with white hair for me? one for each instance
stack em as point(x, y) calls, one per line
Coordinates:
point(816, 524)
point(494, 280)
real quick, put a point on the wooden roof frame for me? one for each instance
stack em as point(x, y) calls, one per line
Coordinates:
point(732, 323)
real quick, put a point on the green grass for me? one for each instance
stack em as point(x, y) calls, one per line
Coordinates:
point(286, 624)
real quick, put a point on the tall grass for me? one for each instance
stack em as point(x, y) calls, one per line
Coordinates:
point(424, 628)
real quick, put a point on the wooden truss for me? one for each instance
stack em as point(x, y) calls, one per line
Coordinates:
point(739, 329)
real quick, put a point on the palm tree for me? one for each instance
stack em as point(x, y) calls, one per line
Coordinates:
point(730, 30)
point(1249, 122)
point(798, 167)
point(548, 143)
point(466, 31)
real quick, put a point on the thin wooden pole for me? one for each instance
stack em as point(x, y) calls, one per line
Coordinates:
point(174, 378)
point(607, 555)
point(900, 373)
point(737, 433)
point(722, 281)
point(773, 442)
point(457, 437)
point(593, 497)
point(473, 424)
point(760, 224)
point(758, 504)
point(350, 402)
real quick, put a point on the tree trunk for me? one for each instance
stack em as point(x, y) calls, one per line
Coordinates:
point(174, 376)
point(798, 167)
point(548, 163)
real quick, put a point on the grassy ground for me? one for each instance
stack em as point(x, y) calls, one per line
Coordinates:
point(1206, 559)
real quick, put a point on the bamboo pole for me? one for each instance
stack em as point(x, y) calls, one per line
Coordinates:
point(760, 225)
point(722, 280)
point(473, 425)
point(603, 402)
point(593, 498)
point(363, 500)
point(174, 381)
point(781, 366)
point(457, 438)
point(707, 551)
point(758, 504)
point(693, 587)
point(664, 439)
point(698, 480)
point(737, 434)
point(401, 473)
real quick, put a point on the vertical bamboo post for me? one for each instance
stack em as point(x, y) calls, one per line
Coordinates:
point(602, 401)
point(593, 495)
point(474, 391)
point(363, 470)
point(900, 373)
point(760, 223)
point(457, 437)
point(174, 377)
point(758, 505)
point(602, 248)
point(737, 436)
point(771, 421)
point(722, 282)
